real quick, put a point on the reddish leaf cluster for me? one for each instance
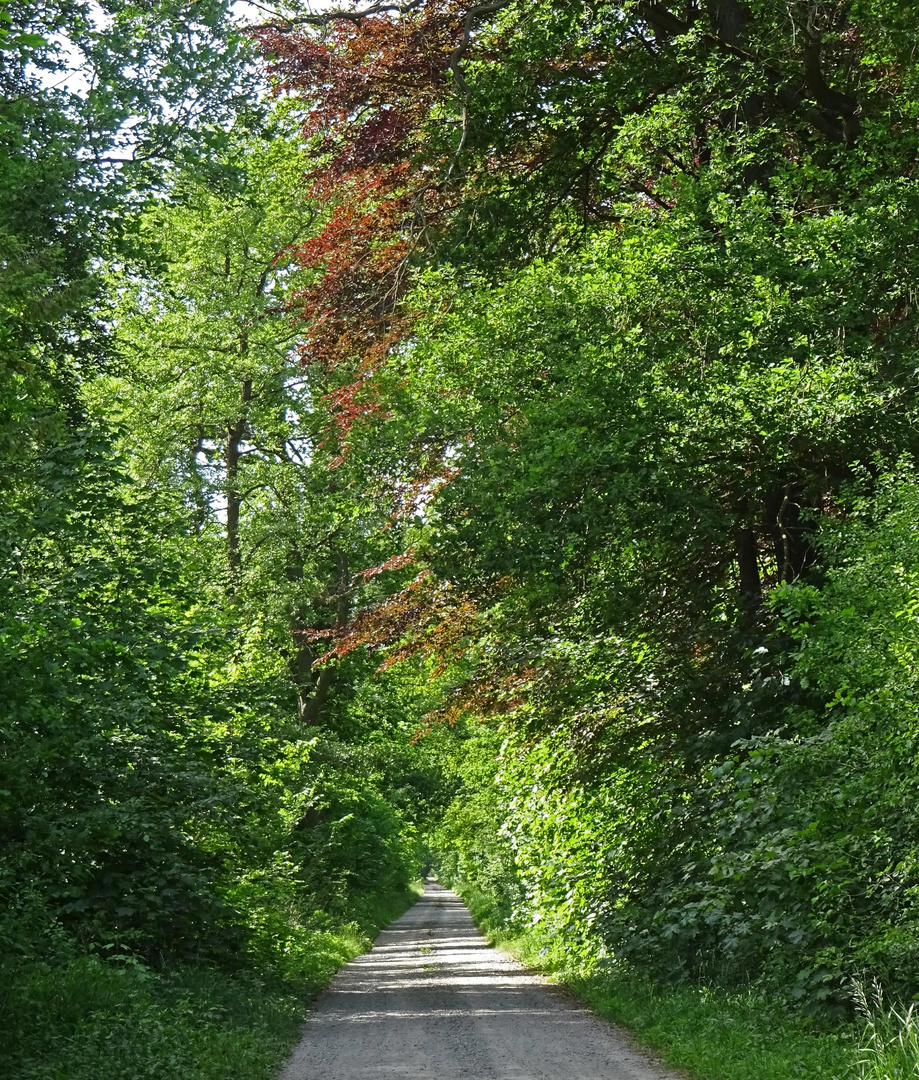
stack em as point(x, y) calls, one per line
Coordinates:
point(429, 618)
point(385, 623)
point(413, 496)
point(370, 83)
point(370, 87)
point(396, 562)
point(426, 618)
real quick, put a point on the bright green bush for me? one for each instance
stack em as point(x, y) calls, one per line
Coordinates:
point(95, 1019)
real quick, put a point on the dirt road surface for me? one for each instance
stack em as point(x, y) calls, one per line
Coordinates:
point(434, 1000)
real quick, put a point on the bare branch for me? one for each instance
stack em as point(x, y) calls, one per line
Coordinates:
point(480, 10)
point(285, 24)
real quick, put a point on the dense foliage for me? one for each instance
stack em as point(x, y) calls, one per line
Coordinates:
point(498, 441)
point(628, 290)
point(191, 817)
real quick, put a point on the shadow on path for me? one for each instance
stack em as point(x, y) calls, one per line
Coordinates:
point(433, 999)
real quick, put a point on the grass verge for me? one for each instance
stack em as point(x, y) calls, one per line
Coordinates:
point(92, 1019)
point(707, 1032)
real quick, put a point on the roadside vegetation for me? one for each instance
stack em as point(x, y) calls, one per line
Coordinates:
point(196, 827)
point(100, 1017)
point(718, 1032)
point(711, 1032)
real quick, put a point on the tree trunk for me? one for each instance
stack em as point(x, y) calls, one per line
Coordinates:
point(310, 706)
point(790, 535)
point(202, 507)
point(313, 689)
point(235, 434)
point(751, 590)
point(728, 19)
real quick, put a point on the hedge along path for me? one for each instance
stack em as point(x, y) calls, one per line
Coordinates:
point(434, 999)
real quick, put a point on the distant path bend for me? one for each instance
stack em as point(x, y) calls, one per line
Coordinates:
point(434, 1000)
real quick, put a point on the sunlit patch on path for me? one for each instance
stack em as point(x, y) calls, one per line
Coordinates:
point(433, 999)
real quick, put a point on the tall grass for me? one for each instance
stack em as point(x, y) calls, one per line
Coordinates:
point(889, 1048)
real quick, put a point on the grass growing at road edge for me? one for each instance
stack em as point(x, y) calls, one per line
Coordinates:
point(709, 1032)
point(92, 1019)
point(889, 1048)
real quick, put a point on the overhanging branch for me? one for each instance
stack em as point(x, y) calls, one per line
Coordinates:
point(286, 23)
point(789, 95)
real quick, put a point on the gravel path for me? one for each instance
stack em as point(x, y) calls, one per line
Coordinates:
point(434, 1000)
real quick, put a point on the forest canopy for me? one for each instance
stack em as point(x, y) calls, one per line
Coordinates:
point(629, 288)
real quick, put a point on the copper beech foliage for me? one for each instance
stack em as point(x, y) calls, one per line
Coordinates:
point(387, 103)
point(386, 116)
point(370, 86)
point(429, 619)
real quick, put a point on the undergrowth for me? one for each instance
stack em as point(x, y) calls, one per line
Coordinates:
point(95, 1019)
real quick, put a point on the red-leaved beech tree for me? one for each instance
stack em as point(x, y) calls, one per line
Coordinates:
point(370, 86)
point(384, 119)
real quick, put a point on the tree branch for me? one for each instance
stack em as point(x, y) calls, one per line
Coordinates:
point(823, 94)
point(456, 56)
point(356, 15)
point(791, 97)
